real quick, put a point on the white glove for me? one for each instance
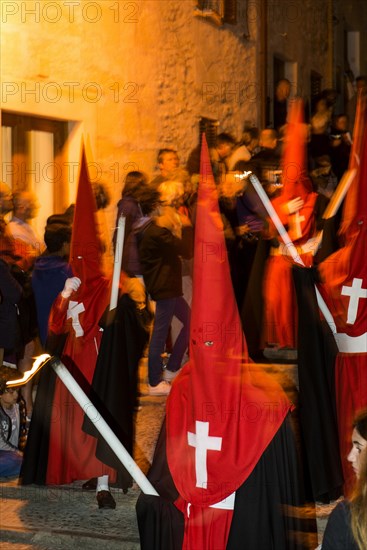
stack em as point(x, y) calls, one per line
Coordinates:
point(71, 285)
point(294, 205)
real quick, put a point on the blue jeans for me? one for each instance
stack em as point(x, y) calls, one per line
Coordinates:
point(164, 312)
point(10, 463)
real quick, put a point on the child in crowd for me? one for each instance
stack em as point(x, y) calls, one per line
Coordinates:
point(12, 424)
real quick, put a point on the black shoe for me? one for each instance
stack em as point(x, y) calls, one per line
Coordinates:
point(105, 500)
point(90, 485)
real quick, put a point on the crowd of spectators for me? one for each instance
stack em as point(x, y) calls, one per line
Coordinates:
point(158, 244)
point(37, 267)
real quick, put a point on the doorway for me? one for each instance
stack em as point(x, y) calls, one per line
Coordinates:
point(33, 160)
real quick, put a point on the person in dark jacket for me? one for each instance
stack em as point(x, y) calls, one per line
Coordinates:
point(10, 295)
point(10, 290)
point(50, 272)
point(161, 243)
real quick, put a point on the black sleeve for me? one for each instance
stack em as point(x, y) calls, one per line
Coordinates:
point(187, 242)
point(320, 207)
point(338, 532)
point(168, 243)
point(10, 289)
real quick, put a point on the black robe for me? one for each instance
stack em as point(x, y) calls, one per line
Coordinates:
point(252, 310)
point(35, 459)
point(317, 351)
point(268, 512)
point(114, 386)
point(114, 382)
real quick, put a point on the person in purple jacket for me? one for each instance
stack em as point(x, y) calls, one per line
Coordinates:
point(135, 187)
point(50, 272)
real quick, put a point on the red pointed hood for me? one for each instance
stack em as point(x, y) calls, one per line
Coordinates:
point(85, 250)
point(355, 201)
point(294, 170)
point(361, 208)
point(344, 273)
point(86, 255)
point(214, 308)
point(216, 393)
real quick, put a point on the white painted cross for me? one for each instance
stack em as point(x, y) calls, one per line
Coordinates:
point(297, 219)
point(355, 292)
point(74, 309)
point(202, 443)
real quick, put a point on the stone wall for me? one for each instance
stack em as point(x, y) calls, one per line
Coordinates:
point(352, 17)
point(131, 76)
point(298, 33)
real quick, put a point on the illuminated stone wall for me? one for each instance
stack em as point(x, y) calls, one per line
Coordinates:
point(133, 76)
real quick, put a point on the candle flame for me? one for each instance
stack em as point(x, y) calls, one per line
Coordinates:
point(28, 375)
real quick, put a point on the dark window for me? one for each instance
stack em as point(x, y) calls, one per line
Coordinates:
point(214, 5)
point(315, 84)
point(230, 12)
point(219, 11)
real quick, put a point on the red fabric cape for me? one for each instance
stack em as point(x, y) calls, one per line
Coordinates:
point(280, 305)
point(71, 451)
point(240, 406)
point(340, 272)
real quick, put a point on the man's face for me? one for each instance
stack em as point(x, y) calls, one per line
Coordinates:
point(267, 140)
point(342, 123)
point(170, 162)
point(29, 208)
point(224, 150)
point(283, 90)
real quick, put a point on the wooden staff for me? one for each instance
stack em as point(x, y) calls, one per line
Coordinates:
point(92, 413)
point(117, 263)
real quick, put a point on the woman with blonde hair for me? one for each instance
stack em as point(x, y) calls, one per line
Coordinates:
point(347, 526)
